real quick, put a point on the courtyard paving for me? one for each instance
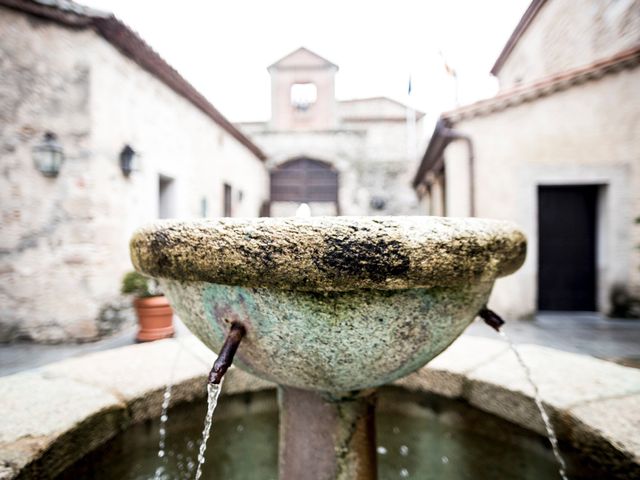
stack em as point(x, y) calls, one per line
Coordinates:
point(617, 340)
point(584, 333)
point(17, 357)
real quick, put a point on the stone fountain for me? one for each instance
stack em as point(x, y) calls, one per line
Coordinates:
point(332, 307)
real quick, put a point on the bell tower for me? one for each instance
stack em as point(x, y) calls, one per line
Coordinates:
point(303, 92)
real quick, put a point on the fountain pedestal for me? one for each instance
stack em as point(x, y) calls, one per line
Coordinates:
point(329, 304)
point(326, 436)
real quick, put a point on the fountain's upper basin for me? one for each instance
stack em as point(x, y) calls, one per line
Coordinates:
point(330, 303)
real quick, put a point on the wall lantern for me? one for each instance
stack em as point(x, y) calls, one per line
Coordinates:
point(48, 155)
point(127, 160)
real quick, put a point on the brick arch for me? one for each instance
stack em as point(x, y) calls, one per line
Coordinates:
point(304, 180)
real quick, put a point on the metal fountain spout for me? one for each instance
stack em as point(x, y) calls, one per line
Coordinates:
point(328, 308)
point(226, 354)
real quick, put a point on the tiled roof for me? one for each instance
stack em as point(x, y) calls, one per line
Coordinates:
point(546, 86)
point(431, 160)
point(419, 114)
point(320, 58)
point(130, 44)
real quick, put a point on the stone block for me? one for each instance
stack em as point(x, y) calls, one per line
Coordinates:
point(608, 431)
point(138, 374)
point(446, 374)
point(563, 379)
point(41, 413)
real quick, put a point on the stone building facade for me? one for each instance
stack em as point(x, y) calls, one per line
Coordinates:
point(350, 157)
point(557, 151)
point(87, 78)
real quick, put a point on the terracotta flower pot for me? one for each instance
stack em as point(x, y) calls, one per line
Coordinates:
point(155, 318)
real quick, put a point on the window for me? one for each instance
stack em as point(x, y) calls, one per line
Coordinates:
point(227, 200)
point(166, 197)
point(204, 208)
point(303, 96)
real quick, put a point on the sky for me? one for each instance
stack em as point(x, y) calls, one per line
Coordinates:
point(224, 47)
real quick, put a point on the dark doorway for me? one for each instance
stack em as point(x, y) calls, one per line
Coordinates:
point(226, 201)
point(166, 197)
point(567, 247)
point(304, 180)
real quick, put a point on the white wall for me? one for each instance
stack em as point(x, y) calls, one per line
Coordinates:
point(303, 67)
point(567, 34)
point(587, 134)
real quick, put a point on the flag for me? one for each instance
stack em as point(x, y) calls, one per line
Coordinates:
point(447, 68)
point(450, 70)
point(411, 125)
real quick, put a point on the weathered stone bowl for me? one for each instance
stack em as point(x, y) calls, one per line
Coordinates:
point(330, 303)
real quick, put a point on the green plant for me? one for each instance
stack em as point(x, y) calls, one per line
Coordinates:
point(139, 285)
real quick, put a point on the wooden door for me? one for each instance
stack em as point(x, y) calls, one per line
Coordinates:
point(567, 222)
point(304, 180)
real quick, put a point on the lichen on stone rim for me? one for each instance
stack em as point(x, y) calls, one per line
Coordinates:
point(330, 253)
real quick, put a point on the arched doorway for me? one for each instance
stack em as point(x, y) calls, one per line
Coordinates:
point(304, 180)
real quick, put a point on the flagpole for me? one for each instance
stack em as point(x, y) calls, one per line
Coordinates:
point(411, 126)
point(456, 88)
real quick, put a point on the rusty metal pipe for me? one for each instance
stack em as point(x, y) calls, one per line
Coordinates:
point(227, 352)
point(491, 318)
point(324, 436)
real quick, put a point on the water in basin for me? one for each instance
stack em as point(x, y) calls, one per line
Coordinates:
point(418, 436)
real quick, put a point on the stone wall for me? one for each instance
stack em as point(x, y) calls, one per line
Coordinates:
point(371, 160)
point(339, 148)
point(387, 167)
point(374, 107)
point(46, 76)
point(587, 134)
point(64, 242)
point(369, 149)
point(303, 66)
point(567, 34)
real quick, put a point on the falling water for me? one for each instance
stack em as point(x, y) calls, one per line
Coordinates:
point(213, 392)
point(164, 416)
point(543, 413)
point(303, 210)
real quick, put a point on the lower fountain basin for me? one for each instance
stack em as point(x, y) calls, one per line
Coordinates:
point(420, 436)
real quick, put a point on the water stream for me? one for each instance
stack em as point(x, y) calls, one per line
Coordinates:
point(164, 416)
point(213, 392)
point(551, 434)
